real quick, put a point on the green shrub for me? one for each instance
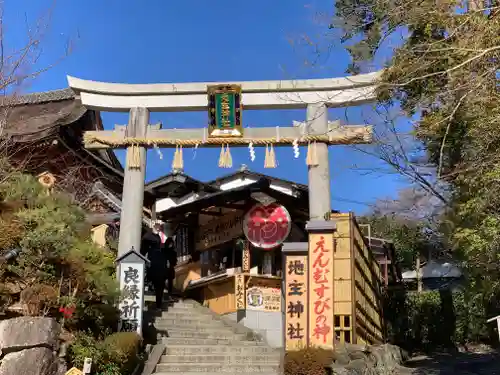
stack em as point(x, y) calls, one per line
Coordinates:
point(117, 354)
point(97, 318)
point(85, 346)
point(58, 258)
point(435, 319)
point(308, 361)
point(124, 348)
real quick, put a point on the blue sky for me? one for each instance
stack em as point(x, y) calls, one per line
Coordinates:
point(198, 40)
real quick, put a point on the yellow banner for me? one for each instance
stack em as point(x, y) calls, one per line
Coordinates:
point(296, 302)
point(239, 291)
point(321, 290)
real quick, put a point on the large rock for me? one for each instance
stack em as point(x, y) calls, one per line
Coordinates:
point(28, 332)
point(366, 360)
point(388, 357)
point(36, 361)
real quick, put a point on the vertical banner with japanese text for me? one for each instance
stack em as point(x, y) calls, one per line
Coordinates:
point(131, 304)
point(321, 290)
point(296, 302)
point(246, 257)
point(239, 291)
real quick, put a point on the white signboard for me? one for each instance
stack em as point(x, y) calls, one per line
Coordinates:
point(131, 305)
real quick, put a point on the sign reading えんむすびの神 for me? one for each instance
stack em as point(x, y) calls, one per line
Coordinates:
point(321, 289)
point(224, 111)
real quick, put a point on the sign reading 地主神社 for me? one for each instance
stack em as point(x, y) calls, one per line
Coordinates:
point(267, 226)
point(296, 290)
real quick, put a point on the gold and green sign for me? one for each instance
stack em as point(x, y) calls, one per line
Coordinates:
point(224, 111)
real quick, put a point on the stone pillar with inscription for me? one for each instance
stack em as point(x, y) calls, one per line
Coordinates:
point(320, 275)
point(295, 287)
point(131, 271)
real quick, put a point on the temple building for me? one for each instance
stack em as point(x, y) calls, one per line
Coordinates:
point(246, 245)
point(43, 136)
point(220, 239)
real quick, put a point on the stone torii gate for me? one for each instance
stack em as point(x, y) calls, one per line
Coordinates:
point(224, 103)
point(315, 95)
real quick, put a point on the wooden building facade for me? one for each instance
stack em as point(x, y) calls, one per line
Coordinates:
point(358, 313)
point(218, 266)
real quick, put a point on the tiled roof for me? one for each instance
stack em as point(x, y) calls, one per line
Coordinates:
point(39, 97)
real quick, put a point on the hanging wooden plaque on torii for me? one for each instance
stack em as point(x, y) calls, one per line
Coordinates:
point(224, 111)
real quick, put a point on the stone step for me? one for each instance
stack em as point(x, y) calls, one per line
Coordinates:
point(215, 367)
point(213, 334)
point(220, 358)
point(189, 322)
point(184, 304)
point(194, 327)
point(186, 311)
point(234, 349)
point(176, 315)
point(218, 333)
point(183, 341)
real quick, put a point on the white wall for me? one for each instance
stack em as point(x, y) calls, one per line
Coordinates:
point(247, 181)
point(166, 203)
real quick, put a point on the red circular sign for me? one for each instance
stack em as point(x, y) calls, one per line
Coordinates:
point(267, 226)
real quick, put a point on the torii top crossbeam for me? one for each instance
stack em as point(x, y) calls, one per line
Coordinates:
point(225, 127)
point(181, 97)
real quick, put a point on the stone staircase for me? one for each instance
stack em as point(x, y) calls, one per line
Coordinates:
point(200, 342)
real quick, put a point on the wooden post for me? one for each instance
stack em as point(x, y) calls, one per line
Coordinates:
point(319, 175)
point(239, 292)
point(133, 184)
point(240, 296)
point(295, 291)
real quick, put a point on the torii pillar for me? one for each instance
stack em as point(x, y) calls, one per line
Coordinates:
point(133, 181)
point(319, 175)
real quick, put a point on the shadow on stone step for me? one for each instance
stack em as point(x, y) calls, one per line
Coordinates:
point(152, 335)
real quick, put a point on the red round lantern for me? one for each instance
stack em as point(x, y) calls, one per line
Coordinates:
point(267, 226)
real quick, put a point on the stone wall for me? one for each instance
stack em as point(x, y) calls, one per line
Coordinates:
point(29, 346)
point(268, 324)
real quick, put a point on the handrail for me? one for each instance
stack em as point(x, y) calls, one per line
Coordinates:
point(153, 359)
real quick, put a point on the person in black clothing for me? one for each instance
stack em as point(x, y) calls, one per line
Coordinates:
point(172, 262)
point(154, 246)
